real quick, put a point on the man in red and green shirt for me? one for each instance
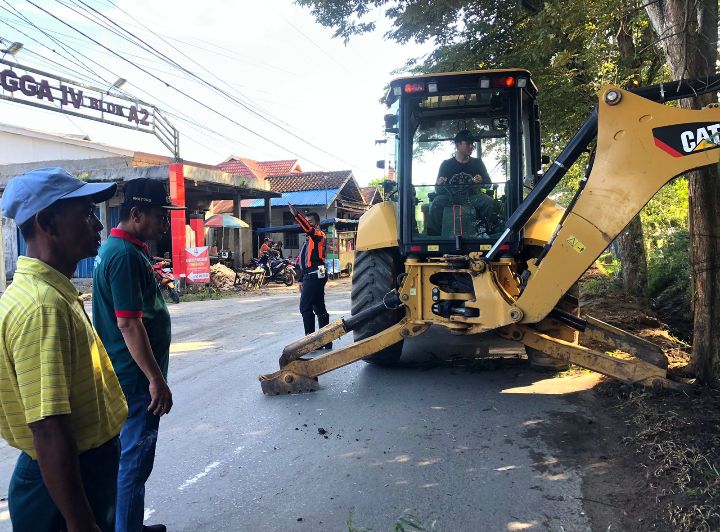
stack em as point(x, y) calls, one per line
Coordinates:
point(133, 322)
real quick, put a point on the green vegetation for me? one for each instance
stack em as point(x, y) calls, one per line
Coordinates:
point(206, 294)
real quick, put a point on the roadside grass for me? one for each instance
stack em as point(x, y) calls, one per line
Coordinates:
point(208, 295)
point(677, 441)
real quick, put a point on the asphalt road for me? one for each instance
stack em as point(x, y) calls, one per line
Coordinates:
point(458, 447)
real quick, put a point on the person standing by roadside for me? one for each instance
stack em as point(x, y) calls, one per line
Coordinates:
point(60, 401)
point(134, 324)
point(312, 273)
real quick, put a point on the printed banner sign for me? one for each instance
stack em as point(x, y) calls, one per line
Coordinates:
point(197, 264)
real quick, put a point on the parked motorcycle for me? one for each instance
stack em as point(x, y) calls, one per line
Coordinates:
point(277, 270)
point(165, 278)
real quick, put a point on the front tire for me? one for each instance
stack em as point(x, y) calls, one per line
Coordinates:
point(375, 274)
point(289, 278)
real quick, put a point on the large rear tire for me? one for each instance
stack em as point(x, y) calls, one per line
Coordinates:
point(375, 274)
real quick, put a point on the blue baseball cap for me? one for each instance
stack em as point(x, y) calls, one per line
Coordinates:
point(28, 194)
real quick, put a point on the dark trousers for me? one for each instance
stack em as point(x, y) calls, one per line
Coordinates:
point(33, 510)
point(138, 439)
point(312, 302)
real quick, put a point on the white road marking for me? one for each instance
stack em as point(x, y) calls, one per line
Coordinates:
point(197, 477)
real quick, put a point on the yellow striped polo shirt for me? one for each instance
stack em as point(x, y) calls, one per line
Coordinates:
point(52, 362)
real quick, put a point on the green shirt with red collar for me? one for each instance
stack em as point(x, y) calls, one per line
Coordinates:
point(124, 286)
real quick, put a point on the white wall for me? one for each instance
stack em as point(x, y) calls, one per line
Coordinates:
point(16, 149)
point(10, 247)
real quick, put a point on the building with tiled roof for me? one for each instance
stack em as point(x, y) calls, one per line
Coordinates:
point(327, 190)
point(371, 195)
point(334, 195)
point(249, 168)
point(258, 169)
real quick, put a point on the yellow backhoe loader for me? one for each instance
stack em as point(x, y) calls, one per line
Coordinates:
point(477, 256)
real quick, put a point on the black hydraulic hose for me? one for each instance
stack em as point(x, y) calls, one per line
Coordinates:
point(552, 177)
point(677, 90)
point(389, 302)
point(570, 207)
point(662, 92)
point(568, 319)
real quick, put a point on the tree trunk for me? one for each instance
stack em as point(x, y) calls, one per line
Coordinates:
point(631, 242)
point(689, 34)
point(633, 258)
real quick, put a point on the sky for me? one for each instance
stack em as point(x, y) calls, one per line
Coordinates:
point(309, 95)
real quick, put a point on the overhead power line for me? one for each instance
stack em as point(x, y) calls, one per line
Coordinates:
point(222, 92)
point(179, 91)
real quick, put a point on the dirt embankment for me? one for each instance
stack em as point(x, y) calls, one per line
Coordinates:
point(651, 461)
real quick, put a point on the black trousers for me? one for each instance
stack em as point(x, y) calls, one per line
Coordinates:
point(312, 302)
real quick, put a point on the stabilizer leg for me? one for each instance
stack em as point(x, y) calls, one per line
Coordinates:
point(632, 371)
point(300, 375)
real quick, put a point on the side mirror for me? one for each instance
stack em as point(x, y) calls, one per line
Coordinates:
point(389, 186)
point(380, 164)
point(391, 120)
point(545, 159)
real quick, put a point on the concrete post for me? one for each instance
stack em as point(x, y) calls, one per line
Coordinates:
point(105, 219)
point(238, 249)
point(268, 220)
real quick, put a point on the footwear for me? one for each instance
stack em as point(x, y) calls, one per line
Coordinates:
point(154, 528)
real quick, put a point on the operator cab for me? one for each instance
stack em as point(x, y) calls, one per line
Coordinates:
point(466, 212)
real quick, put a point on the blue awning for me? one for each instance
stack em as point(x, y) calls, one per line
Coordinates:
point(300, 198)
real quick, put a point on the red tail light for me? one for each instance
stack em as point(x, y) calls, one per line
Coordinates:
point(415, 248)
point(507, 82)
point(411, 88)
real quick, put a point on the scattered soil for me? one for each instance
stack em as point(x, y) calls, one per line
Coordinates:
point(650, 460)
point(222, 277)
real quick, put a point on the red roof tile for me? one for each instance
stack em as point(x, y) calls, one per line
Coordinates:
point(371, 195)
point(280, 167)
point(221, 206)
point(243, 167)
point(259, 170)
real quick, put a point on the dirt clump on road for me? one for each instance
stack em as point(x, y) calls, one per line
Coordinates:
point(653, 458)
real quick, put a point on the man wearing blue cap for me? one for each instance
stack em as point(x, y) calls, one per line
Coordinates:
point(60, 401)
point(134, 324)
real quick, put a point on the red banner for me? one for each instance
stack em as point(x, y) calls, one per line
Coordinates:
point(197, 264)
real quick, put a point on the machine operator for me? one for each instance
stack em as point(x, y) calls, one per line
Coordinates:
point(460, 180)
